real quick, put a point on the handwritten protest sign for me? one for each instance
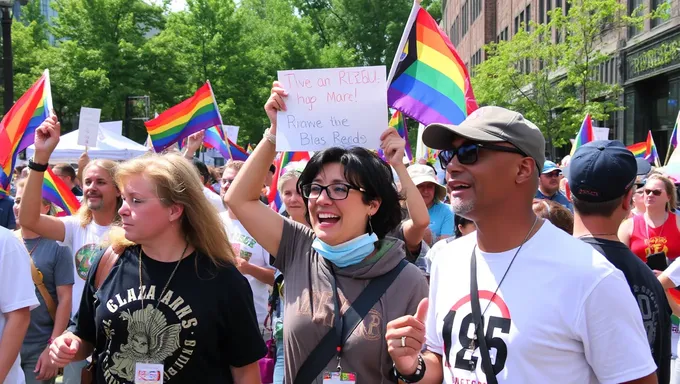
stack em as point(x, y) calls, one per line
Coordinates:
point(88, 126)
point(338, 107)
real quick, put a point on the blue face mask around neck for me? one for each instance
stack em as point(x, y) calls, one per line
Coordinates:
point(348, 253)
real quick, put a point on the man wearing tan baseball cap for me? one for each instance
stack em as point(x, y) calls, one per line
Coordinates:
point(519, 301)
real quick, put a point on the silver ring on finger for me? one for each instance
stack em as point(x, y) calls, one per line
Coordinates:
point(403, 341)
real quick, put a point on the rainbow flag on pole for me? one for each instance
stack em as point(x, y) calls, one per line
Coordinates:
point(638, 149)
point(17, 129)
point(282, 160)
point(56, 192)
point(585, 134)
point(249, 149)
point(397, 121)
point(428, 81)
point(673, 142)
point(194, 114)
point(652, 155)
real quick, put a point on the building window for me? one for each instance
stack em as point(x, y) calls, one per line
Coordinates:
point(475, 60)
point(656, 4)
point(455, 32)
point(476, 10)
point(541, 11)
point(527, 25)
point(516, 25)
point(632, 5)
point(464, 12)
point(558, 33)
point(548, 8)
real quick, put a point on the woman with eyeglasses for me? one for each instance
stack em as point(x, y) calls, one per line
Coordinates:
point(657, 230)
point(352, 203)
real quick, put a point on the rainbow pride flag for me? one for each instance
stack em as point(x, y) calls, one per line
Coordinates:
point(194, 114)
point(638, 149)
point(249, 149)
point(282, 160)
point(673, 142)
point(17, 129)
point(652, 155)
point(585, 134)
point(397, 121)
point(56, 192)
point(428, 81)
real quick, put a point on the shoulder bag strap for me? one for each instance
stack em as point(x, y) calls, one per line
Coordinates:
point(37, 277)
point(106, 263)
point(479, 322)
point(326, 349)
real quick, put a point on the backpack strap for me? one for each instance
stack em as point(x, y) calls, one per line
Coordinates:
point(108, 260)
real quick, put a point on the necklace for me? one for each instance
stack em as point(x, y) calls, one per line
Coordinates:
point(169, 279)
point(504, 275)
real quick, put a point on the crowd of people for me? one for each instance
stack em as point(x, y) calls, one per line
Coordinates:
point(515, 270)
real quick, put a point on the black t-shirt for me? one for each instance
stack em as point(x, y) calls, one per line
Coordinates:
point(650, 296)
point(204, 323)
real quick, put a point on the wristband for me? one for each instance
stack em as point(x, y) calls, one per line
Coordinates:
point(49, 341)
point(269, 136)
point(416, 376)
point(36, 166)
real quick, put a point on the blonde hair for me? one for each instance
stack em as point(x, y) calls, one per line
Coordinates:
point(111, 167)
point(670, 190)
point(290, 174)
point(176, 182)
point(236, 165)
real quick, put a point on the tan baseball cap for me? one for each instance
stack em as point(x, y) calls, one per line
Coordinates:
point(491, 125)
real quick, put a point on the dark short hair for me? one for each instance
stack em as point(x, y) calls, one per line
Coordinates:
point(202, 170)
point(364, 169)
point(586, 208)
point(459, 220)
point(65, 169)
point(272, 168)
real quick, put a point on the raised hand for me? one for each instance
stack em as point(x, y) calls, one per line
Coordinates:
point(83, 160)
point(46, 138)
point(275, 103)
point(63, 350)
point(405, 339)
point(393, 146)
point(195, 140)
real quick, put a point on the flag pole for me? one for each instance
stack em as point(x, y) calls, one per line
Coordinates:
point(404, 39)
point(220, 117)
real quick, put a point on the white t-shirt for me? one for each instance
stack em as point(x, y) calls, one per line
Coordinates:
point(247, 248)
point(16, 289)
point(563, 314)
point(214, 199)
point(85, 243)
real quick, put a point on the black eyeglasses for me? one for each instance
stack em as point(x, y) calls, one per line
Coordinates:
point(469, 153)
point(337, 191)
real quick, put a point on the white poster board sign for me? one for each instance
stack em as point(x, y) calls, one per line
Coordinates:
point(88, 126)
point(601, 133)
point(232, 132)
point(337, 107)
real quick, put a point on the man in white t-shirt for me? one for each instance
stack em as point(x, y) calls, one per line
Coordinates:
point(554, 310)
point(17, 299)
point(251, 259)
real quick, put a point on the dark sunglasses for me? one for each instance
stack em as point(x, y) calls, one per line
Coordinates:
point(655, 192)
point(469, 153)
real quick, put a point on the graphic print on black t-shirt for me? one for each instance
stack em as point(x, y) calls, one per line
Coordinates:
point(459, 330)
point(154, 335)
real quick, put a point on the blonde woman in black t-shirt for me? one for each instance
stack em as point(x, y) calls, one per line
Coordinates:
point(173, 304)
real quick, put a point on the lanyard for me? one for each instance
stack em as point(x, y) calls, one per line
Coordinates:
point(338, 323)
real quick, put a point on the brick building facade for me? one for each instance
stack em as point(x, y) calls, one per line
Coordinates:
point(646, 62)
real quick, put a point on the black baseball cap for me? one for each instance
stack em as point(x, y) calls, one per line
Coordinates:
point(601, 171)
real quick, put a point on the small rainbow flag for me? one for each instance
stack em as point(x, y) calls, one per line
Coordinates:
point(428, 81)
point(652, 155)
point(17, 129)
point(281, 162)
point(56, 192)
point(638, 149)
point(398, 122)
point(673, 144)
point(585, 134)
point(249, 149)
point(236, 152)
point(194, 114)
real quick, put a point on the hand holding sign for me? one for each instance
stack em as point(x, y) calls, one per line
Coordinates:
point(338, 107)
point(275, 104)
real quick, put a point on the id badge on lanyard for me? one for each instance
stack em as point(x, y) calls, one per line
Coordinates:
point(338, 377)
point(148, 373)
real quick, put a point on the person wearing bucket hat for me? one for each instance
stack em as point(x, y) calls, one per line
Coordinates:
point(549, 185)
point(492, 283)
point(600, 205)
point(433, 193)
